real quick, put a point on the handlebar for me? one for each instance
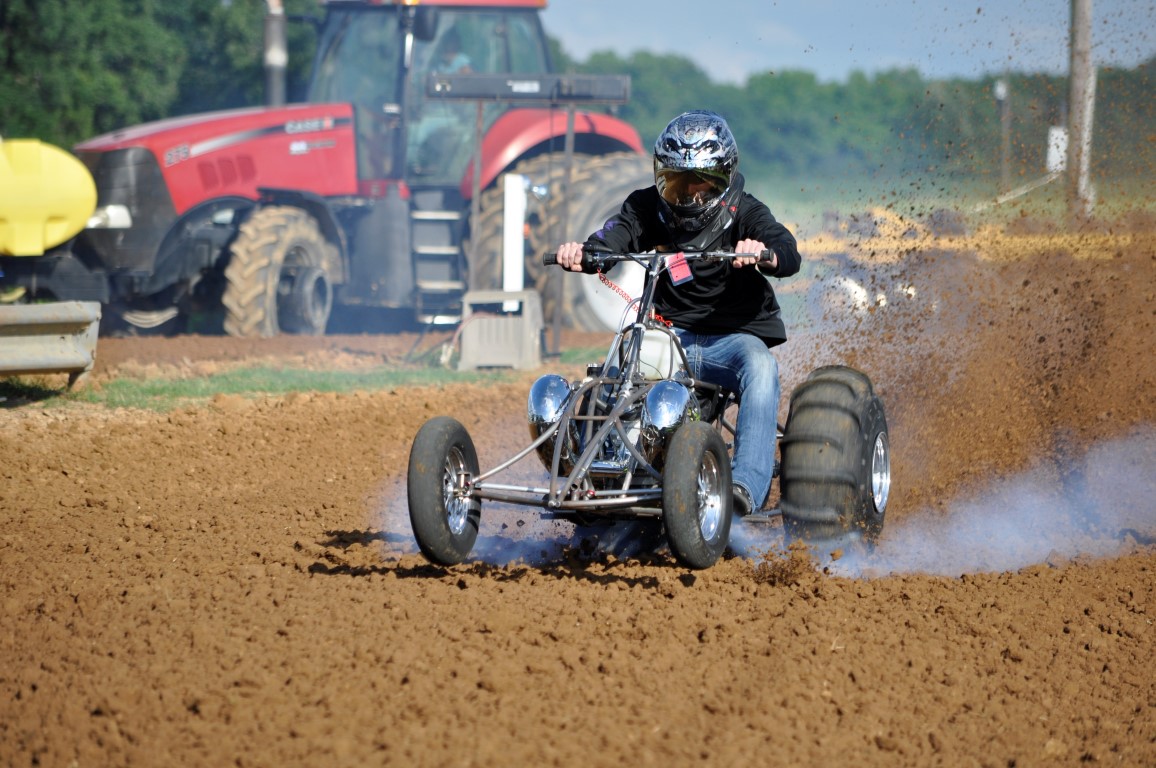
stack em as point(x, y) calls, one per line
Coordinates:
point(597, 259)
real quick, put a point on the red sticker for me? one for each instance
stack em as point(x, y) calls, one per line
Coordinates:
point(678, 268)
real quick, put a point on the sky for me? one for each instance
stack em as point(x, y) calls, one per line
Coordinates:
point(733, 39)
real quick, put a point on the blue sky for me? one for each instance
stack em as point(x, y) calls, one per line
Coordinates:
point(732, 39)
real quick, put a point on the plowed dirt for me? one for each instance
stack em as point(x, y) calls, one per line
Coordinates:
point(236, 583)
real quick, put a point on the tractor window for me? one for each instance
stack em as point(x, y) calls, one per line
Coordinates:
point(358, 59)
point(465, 42)
point(524, 35)
point(441, 133)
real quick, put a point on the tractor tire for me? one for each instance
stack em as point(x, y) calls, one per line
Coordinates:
point(835, 475)
point(444, 523)
point(484, 248)
point(305, 311)
point(696, 495)
point(278, 276)
point(598, 184)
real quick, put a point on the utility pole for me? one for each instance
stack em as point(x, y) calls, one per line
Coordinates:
point(1081, 107)
point(276, 54)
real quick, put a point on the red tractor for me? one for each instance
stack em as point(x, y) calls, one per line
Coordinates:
point(370, 194)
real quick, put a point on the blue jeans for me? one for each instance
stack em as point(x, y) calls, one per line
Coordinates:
point(741, 363)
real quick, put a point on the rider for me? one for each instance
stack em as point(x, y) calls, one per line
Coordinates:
point(726, 317)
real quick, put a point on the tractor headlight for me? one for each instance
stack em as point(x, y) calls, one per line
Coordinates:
point(110, 217)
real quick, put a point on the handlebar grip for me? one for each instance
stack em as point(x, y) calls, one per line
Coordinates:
point(589, 259)
point(592, 258)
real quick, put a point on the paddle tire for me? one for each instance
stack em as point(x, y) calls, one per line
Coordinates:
point(836, 461)
point(444, 517)
point(696, 495)
point(278, 276)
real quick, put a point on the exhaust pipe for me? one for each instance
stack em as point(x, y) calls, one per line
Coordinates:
point(276, 54)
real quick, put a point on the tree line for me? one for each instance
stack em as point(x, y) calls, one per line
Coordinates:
point(70, 70)
point(790, 124)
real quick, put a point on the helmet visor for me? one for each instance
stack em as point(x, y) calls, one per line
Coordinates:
point(690, 188)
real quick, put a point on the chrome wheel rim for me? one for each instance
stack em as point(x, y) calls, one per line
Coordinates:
point(710, 498)
point(457, 505)
point(881, 472)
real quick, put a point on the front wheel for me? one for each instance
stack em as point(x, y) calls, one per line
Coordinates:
point(836, 468)
point(444, 516)
point(696, 495)
point(278, 276)
point(306, 308)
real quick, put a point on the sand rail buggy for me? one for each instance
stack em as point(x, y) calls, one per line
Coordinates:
point(640, 438)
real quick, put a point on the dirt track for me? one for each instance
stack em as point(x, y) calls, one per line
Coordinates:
point(236, 584)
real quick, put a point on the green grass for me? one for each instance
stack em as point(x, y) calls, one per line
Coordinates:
point(164, 394)
point(265, 381)
point(167, 394)
point(582, 355)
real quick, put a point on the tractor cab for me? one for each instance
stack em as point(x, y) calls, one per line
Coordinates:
point(378, 57)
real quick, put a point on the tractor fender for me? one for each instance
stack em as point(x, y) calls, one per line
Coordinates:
point(318, 207)
point(522, 133)
point(194, 243)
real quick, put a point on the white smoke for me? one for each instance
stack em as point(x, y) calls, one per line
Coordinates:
point(1093, 508)
point(1096, 506)
point(510, 534)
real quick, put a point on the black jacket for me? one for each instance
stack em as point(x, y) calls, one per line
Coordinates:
point(720, 299)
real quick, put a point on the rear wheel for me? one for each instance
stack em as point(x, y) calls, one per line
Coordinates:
point(836, 458)
point(696, 495)
point(445, 520)
point(597, 190)
point(598, 185)
point(277, 279)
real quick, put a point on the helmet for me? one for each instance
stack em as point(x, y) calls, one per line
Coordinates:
point(695, 160)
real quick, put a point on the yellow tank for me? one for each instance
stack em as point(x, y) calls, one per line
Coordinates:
point(46, 197)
